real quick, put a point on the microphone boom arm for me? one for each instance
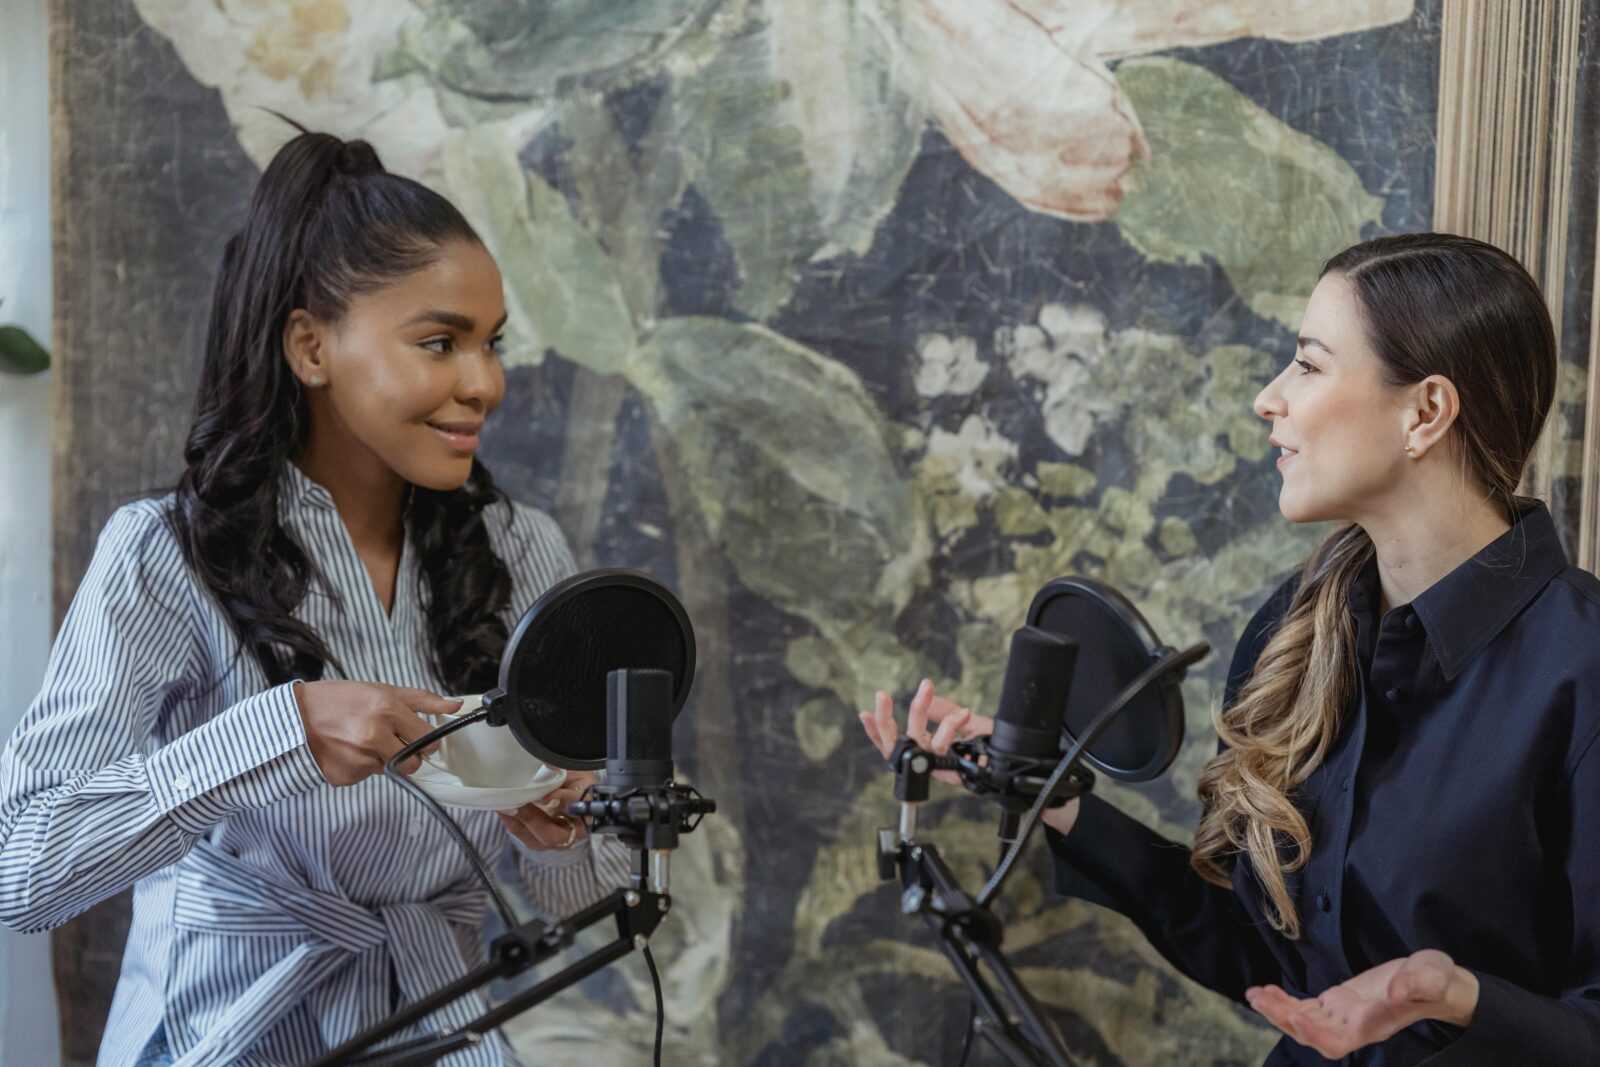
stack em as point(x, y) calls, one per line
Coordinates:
point(638, 913)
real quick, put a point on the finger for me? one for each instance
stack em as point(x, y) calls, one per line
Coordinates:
point(406, 767)
point(882, 740)
point(941, 708)
point(917, 718)
point(1277, 1006)
point(550, 831)
point(422, 700)
point(888, 731)
point(869, 724)
point(556, 800)
point(977, 726)
point(947, 731)
point(409, 727)
point(520, 828)
point(1414, 983)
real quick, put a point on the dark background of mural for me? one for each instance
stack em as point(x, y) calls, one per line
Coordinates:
point(802, 959)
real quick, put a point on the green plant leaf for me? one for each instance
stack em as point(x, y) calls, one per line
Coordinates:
point(1281, 204)
point(561, 286)
point(788, 458)
point(797, 135)
point(20, 353)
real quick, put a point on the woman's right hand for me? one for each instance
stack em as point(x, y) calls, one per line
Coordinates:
point(352, 728)
point(954, 723)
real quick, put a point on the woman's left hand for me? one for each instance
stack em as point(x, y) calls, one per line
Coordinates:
point(544, 825)
point(1374, 1005)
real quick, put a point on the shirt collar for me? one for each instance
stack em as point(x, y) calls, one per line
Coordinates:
point(298, 491)
point(1467, 608)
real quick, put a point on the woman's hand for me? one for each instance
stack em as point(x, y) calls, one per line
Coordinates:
point(954, 723)
point(352, 728)
point(1374, 1005)
point(545, 825)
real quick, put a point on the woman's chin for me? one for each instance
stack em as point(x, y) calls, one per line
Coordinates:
point(1298, 510)
point(441, 477)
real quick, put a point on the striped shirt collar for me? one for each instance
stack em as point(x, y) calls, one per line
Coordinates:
point(298, 491)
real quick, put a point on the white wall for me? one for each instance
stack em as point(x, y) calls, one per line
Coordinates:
point(27, 994)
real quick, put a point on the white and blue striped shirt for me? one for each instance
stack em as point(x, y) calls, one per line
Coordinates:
point(274, 915)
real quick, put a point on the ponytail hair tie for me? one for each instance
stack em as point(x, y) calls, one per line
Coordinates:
point(356, 159)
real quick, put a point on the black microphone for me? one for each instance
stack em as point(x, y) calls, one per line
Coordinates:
point(638, 729)
point(639, 801)
point(1027, 725)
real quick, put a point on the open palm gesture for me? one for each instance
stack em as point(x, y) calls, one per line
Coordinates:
point(1374, 1005)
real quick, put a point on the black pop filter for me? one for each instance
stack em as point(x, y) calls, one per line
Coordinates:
point(553, 672)
point(1115, 646)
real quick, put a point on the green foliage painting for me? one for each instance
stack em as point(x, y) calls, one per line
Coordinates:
point(856, 321)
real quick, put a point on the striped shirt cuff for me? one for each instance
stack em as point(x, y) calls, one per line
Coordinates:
point(250, 756)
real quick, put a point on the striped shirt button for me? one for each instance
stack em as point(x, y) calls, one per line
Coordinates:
point(180, 782)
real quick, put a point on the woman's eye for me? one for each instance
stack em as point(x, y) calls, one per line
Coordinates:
point(442, 345)
point(1305, 368)
point(497, 344)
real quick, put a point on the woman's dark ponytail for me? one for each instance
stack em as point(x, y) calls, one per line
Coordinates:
point(326, 222)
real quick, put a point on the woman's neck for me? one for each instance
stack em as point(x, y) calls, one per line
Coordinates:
point(1417, 545)
point(369, 496)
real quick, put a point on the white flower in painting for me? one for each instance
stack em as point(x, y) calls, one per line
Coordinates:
point(1060, 355)
point(979, 452)
point(950, 366)
point(1046, 122)
point(313, 61)
point(1022, 90)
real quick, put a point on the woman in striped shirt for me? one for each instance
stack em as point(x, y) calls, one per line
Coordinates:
point(244, 654)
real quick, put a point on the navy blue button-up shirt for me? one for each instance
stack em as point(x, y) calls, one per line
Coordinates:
point(1459, 810)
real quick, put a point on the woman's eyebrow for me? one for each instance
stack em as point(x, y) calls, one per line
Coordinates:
point(453, 319)
point(1307, 342)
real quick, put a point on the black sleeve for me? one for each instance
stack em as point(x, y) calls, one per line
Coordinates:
point(1117, 862)
point(1517, 1025)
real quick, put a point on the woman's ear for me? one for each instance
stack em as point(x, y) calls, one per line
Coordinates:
point(1430, 412)
point(304, 348)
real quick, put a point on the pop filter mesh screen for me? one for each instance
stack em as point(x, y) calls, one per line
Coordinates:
point(559, 666)
point(1110, 655)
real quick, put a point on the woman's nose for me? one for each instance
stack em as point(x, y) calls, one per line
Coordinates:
point(480, 381)
point(1269, 402)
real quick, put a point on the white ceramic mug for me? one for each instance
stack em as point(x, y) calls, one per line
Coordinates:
point(483, 756)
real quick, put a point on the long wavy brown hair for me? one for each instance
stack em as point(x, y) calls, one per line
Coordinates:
point(1431, 304)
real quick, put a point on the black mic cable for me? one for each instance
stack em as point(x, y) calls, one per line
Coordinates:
point(1171, 661)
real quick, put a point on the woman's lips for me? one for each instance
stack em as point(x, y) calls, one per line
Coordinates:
point(460, 436)
point(1286, 454)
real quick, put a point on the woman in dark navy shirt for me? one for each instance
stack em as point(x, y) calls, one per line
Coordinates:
point(1398, 856)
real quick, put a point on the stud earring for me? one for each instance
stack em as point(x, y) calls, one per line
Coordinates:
point(1410, 451)
point(316, 379)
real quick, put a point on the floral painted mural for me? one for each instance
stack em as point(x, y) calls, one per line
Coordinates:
point(856, 321)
